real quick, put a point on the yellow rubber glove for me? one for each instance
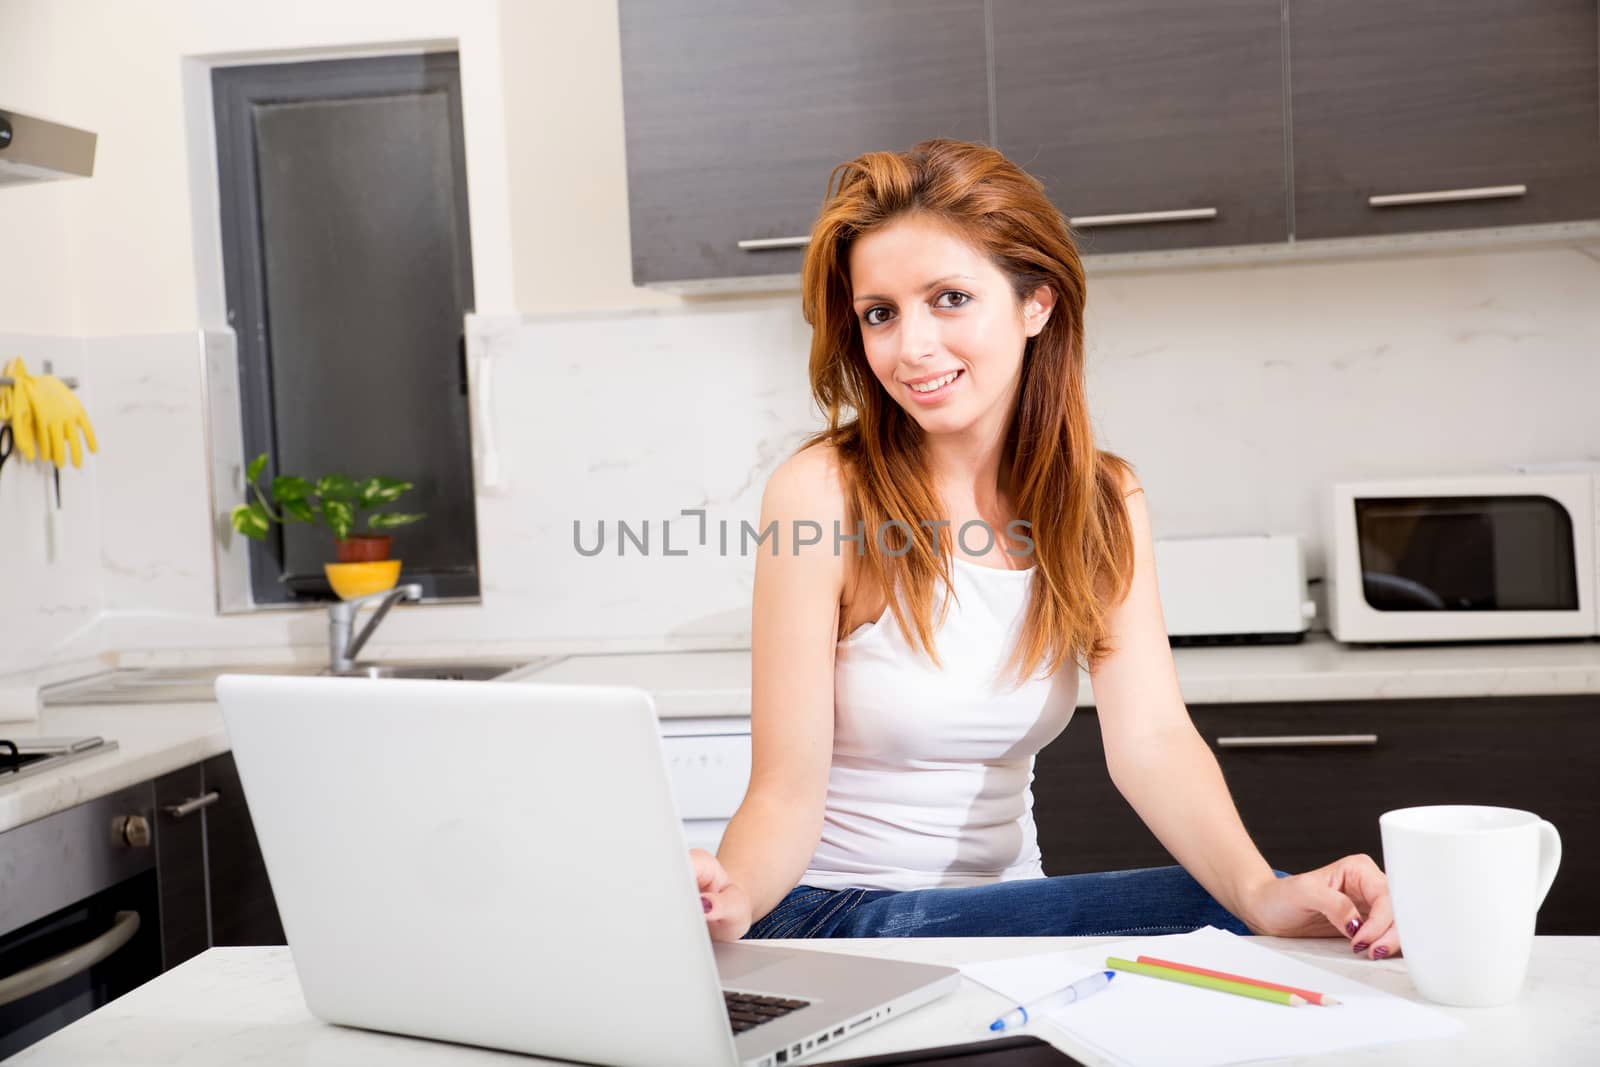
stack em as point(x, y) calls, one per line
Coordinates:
point(57, 413)
point(16, 407)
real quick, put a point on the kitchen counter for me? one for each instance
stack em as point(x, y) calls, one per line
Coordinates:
point(1319, 668)
point(244, 1005)
point(156, 738)
point(152, 739)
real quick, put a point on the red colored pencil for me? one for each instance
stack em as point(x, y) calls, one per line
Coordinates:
point(1311, 997)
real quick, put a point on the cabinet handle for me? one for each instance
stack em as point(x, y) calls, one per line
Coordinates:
point(58, 969)
point(1445, 196)
point(762, 244)
point(1194, 214)
point(192, 805)
point(1301, 741)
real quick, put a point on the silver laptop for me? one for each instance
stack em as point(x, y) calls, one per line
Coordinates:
point(502, 865)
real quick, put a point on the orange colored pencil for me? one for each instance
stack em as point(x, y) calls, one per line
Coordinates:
point(1311, 997)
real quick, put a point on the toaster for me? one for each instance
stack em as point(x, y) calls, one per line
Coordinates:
point(1224, 590)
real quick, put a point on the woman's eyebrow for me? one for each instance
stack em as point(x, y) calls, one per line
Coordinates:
point(925, 288)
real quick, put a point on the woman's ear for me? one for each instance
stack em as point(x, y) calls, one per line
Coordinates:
point(1036, 309)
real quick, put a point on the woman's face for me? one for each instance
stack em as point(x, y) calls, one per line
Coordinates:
point(942, 330)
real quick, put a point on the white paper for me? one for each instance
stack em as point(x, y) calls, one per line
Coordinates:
point(1149, 1022)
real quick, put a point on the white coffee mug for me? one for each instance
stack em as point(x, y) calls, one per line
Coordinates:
point(1466, 883)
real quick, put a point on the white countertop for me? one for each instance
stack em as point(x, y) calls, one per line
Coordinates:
point(1319, 668)
point(156, 738)
point(152, 739)
point(244, 1006)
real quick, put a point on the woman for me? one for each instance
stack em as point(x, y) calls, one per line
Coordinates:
point(894, 735)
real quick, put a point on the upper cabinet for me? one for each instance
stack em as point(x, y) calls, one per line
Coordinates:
point(737, 111)
point(1154, 124)
point(1443, 114)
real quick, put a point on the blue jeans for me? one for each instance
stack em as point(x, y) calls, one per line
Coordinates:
point(1154, 900)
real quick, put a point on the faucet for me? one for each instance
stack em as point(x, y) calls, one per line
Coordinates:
point(342, 650)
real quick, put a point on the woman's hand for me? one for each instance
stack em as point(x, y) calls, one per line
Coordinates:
point(726, 905)
point(1349, 897)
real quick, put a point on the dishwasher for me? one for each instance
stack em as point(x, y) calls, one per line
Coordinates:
point(708, 765)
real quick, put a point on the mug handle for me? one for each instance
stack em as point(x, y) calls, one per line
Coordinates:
point(1549, 858)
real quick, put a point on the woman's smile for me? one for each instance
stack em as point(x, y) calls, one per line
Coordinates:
point(933, 390)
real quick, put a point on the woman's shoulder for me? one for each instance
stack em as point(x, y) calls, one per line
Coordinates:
point(1116, 472)
point(809, 484)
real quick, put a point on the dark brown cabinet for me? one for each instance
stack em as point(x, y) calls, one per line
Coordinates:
point(180, 842)
point(1307, 805)
point(243, 911)
point(213, 880)
point(737, 111)
point(1132, 113)
point(1154, 124)
point(1473, 98)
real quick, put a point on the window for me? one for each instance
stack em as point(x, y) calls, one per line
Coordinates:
point(348, 272)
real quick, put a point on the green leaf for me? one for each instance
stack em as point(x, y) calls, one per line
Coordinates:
point(389, 520)
point(375, 491)
point(298, 510)
point(340, 517)
point(290, 487)
point(338, 487)
point(257, 465)
point(250, 520)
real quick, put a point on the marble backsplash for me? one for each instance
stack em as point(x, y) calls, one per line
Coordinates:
point(1239, 393)
point(50, 568)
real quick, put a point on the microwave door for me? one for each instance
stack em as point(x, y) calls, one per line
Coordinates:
point(1466, 554)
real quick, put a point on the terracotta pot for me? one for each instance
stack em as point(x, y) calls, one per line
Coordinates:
point(363, 548)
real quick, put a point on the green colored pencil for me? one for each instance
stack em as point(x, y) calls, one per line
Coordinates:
point(1221, 985)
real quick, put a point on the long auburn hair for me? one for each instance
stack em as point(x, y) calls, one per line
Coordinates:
point(1069, 491)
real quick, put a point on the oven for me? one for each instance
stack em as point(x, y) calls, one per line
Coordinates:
point(79, 918)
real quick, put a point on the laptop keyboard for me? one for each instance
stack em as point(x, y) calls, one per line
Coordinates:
point(746, 1011)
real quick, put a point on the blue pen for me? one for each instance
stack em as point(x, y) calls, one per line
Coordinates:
point(1083, 987)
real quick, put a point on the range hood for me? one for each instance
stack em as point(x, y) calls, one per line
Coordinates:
point(33, 150)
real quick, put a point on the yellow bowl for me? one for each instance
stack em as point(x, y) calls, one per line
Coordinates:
point(351, 580)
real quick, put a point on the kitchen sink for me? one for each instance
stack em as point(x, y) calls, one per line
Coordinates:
point(460, 672)
point(197, 685)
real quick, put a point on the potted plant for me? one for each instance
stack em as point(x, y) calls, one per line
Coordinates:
point(336, 501)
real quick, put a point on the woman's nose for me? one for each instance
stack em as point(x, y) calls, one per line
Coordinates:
point(917, 331)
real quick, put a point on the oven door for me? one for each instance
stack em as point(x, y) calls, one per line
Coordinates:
point(1498, 557)
point(79, 914)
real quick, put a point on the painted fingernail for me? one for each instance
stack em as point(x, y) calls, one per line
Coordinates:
point(1380, 952)
point(1362, 947)
point(705, 903)
point(1352, 926)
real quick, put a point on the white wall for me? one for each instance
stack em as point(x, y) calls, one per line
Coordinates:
point(1241, 394)
point(1238, 392)
point(37, 295)
point(115, 255)
point(569, 181)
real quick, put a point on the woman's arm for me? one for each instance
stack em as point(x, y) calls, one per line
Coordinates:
point(774, 833)
point(1168, 774)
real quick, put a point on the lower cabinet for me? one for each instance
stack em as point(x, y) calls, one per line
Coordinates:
point(243, 911)
point(213, 881)
point(181, 867)
point(1306, 804)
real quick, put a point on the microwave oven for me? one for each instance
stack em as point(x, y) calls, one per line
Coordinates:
point(1464, 558)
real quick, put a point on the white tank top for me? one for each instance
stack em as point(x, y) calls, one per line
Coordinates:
point(932, 768)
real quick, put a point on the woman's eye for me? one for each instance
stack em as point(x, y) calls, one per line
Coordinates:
point(959, 298)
